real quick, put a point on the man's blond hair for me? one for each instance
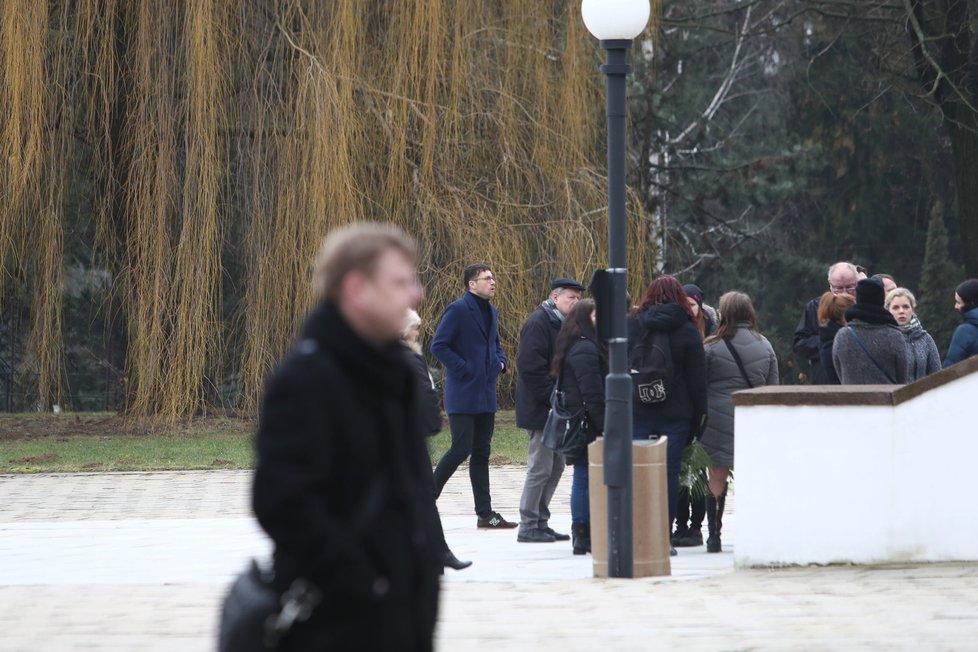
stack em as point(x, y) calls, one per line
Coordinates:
point(355, 248)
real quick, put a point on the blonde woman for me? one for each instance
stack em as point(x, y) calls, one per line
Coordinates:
point(924, 356)
point(429, 414)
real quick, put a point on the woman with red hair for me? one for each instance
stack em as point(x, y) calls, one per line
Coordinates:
point(672, 400)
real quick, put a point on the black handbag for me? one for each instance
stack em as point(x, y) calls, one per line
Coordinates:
point(255, 617)
point(565, 432)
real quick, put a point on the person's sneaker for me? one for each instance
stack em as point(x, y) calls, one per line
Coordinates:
point(691, 539)
point(556, 535)
point(672, 552)
point(535, 536)
point(494, 522)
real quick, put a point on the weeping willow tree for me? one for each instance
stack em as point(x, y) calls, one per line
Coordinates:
point(217, 142)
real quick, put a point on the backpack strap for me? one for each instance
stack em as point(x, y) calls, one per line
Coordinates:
point(869, 355)
point(740, 363)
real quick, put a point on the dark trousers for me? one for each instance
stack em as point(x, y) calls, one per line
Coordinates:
point(693, 509)
point(471, 438)
point(647, 426)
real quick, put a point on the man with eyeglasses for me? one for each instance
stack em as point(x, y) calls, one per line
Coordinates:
point(842, 279)
point(467, 344)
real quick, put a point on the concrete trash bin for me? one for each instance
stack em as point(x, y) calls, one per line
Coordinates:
point(650, 508)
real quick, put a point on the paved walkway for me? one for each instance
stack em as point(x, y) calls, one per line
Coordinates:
point(140, 561)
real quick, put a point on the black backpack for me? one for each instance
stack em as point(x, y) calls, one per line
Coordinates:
point(651, 368)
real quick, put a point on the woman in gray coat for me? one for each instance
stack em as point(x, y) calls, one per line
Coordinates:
point(737, 357)
point(924, 356)
point(870, 350)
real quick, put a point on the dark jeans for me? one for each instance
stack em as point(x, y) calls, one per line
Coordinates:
point(693, 509)
point(580, 495)
point(646, 426)
point(471, 436)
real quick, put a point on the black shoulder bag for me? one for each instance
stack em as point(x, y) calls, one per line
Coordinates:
point(740, 363)
point(565, 432)
point(255, 617)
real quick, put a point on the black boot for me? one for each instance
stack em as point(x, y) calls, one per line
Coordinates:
point(721, 503)
point(581, 538)
point(714, 517)
point(449, 560)
point(713, 512)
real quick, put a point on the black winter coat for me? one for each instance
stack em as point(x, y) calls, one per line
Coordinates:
point(342, 486)
point(807, 344)
point(582, 381)
point(689, 399)
point(533, 359)
point(429, 407)
point(826, 337)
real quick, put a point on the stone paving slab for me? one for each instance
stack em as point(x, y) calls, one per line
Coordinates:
point(141, 561)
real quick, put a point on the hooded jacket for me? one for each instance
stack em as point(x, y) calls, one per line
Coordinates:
point(964, 342)
point(689, 399)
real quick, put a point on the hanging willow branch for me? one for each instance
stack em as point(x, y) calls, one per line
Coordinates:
point(222, 140)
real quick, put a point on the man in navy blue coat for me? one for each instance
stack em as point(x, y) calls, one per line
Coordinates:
point(467, 344)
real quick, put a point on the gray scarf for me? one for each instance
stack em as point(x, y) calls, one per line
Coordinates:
point(551, 308)
point(911, 326)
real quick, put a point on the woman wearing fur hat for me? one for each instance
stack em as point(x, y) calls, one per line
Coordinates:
point(924, 358)
point(964, 342)
point(870, 350)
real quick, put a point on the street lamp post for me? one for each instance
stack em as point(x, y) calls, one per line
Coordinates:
point(616, 23)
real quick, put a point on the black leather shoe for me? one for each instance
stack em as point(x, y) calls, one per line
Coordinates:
point(556, 535)
point(449, 560)
point(535, 536)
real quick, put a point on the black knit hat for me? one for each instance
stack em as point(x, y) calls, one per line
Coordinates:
point(968, 291)
point(694, 292)
point(558, 283)
point(869, 291)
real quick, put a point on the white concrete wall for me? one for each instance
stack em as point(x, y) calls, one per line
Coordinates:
point(859, 484)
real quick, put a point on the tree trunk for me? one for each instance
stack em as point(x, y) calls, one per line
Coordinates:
point(964, 145)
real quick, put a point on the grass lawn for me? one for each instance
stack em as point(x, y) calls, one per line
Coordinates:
point(72, 442)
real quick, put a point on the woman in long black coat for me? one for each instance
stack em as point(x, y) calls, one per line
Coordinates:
point(429, 415)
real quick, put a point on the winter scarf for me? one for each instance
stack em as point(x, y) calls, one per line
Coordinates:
point(551, 308)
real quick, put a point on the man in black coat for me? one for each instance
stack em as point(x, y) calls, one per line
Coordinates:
point(534, 385)
point(842, 279)
point(342, 484)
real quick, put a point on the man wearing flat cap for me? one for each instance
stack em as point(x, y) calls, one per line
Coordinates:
point(533, 388)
